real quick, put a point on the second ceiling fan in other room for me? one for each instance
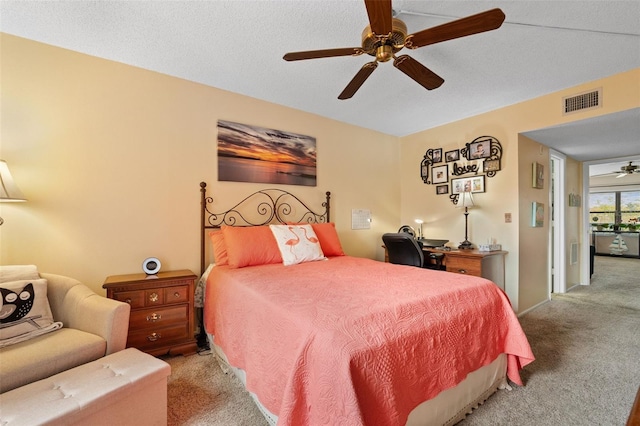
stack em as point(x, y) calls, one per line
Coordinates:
point(625, 170)
point(386, 35)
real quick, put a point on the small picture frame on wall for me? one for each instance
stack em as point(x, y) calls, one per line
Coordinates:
point(538, 176)
point(440, 174)
point(470, 184)
point(491, 166)
point(537, 214)
point(442, 189)
point(437, 155)
point(450, 156)
point(480, 149)
point(575, 200)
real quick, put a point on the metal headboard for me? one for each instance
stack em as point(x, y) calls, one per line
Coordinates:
point(263, 207)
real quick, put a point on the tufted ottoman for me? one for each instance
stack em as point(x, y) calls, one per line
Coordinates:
point(126, 387)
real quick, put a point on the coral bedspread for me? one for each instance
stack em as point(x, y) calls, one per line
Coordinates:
point(351, 341)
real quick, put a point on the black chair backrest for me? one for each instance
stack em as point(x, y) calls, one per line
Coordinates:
point(403, 249)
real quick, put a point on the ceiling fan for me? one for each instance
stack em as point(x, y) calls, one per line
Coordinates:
point(386, 35)
point(629, 169)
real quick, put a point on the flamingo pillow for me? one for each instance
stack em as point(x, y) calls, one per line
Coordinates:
point(297, 243)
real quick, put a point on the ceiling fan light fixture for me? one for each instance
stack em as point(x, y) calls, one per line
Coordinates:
point(384, 53)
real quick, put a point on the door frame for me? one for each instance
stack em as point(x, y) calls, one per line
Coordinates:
point(557, 253)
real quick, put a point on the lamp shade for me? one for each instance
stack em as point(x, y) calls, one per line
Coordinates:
point(466, 200)
point(9, 191)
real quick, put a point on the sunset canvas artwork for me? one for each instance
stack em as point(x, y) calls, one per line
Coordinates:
point(256, 154)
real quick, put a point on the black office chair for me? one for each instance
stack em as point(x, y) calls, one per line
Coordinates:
point(403, 249)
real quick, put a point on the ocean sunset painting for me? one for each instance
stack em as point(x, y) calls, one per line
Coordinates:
point(255, 154)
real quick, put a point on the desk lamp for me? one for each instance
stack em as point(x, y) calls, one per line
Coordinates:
point(420, 222)
point(9, 191)
point(466, 201)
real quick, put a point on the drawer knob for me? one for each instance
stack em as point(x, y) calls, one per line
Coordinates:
point(176, 294)
point(128, 300)
point(153, 297)
point(154, 317)
point(153, 337)
point(462, 271)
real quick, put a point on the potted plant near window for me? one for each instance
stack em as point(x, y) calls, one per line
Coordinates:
point(596, 224)
point(632, 227)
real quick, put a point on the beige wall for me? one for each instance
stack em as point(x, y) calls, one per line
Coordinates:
point(574, 230)
point(510, 190)
point(110, 158)
point(533, 241)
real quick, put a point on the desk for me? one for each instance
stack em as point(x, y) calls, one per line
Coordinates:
point(485, 264)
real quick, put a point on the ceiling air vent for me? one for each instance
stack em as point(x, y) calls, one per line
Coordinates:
point(583, 101)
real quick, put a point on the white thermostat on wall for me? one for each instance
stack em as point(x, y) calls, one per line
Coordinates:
point(151, 266)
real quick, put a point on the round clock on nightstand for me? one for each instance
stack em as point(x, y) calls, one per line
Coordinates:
point(151, 266)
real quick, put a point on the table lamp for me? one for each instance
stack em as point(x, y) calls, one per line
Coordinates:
point(9, 191)
point(419, 222)
point(466, 201)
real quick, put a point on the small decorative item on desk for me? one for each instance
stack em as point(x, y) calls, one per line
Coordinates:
point(490, 245)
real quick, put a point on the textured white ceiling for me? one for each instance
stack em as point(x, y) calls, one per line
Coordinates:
point(542, 47)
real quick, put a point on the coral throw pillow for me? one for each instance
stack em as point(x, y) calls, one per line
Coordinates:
point(250, 246)
point(297, 243)
point(219, 248)
point(328, 237)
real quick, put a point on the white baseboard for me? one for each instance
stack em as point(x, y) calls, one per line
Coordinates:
point(533, 307)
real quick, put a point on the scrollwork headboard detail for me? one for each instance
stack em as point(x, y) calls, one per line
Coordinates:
point(263, 207)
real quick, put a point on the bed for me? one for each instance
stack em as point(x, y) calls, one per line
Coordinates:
point(335, 339)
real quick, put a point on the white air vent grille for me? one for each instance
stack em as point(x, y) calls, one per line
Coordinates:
point(574, 253)
point(583, 101)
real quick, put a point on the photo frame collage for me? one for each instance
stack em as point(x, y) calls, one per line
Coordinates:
point(446, 169)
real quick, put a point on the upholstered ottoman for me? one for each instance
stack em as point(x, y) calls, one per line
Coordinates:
point(125, 388)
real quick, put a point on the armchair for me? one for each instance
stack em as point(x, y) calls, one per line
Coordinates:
point(93, 327)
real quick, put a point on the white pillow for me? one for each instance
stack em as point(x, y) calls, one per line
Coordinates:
point(25, 311)
point(10, 273)
point(297, 243)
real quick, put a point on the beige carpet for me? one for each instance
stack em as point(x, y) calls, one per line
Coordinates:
point(587, 371)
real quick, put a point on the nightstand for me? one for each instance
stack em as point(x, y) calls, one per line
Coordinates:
point(162, 317)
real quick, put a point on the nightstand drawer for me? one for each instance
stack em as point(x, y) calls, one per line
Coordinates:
point(133, 298)
point(153, 297)
point(154, 337)
point(158, 317)
point(466, 266)
point(178, 294)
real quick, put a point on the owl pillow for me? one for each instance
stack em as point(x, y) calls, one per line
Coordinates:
point(24, 311)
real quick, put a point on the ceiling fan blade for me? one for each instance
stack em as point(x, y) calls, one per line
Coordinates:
point(621, 175)
point(474, 24)
point(358, 80)
point(325, 53)
point(380, 18)
point(414, 69)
